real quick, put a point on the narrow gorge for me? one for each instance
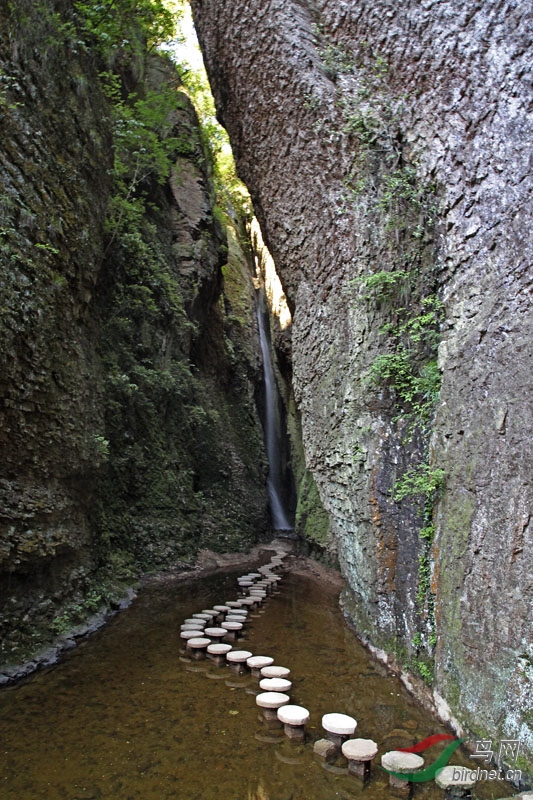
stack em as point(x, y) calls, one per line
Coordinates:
point(386, 149)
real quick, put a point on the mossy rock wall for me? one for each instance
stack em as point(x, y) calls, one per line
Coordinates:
point(129, 434)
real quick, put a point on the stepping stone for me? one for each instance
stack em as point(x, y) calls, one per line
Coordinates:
point(456, 781)
point(191, 634)
point(275, 685)
point(215, 633)
point(237, 660)
point(401, 762)
point(275, 672)
point(256, 663)
point(232, 629)
point(231, 625)
point(196, 621)
point(202, 615)
point(239, 656)
point(218, 652)
point(190, 626)
point(294, 719)
point(198, 646)
point(338, 727)
point(246, 601)
point(215, 615)
point(359, 753)
point(270, 702)
point(257, 597)
point(222, 609)
point(233, 603)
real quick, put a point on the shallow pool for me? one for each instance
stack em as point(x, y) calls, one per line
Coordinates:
point(127, 716)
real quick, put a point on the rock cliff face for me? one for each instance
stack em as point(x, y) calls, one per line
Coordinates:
point(129, 435)
point(384, 147)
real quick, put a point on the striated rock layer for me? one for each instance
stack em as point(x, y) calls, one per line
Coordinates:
point(385, 148)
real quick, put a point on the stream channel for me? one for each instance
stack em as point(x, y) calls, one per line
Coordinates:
point(126, 716)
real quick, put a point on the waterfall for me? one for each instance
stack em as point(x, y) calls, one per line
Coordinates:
point(272, 423)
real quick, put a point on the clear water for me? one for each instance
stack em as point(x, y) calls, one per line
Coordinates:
point(127, 716)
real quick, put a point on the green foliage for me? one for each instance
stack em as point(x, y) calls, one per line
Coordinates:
point(99, 590)
point(99, 447)
point(232, 195)
point(400, 185)
point(426, 671)
point(123, 26)
point(417, 388)
point(383, 283)
point(424, 578)
point(427, 533)
point(335, 57)
point(363, 125)
point(312, 521)
point(143, 152)
point(421, 481)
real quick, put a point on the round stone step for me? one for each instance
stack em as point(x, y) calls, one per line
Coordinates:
point(198, 643)
point(256, 663)
point(293, 715)
point(272, 700)
point(275, 672)
point(359, 753)
point(239, 656)
point(219, 649)
point(275, 685)
point(396, 761)
point(215, 633)
point(231, 625)
point(359, 749)
point(198, 646)
point(403, 763)
point(340, 724)
point(191, 633)
point(453, 776)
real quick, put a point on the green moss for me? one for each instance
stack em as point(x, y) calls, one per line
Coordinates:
point(236, 289)
point(312, 521)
